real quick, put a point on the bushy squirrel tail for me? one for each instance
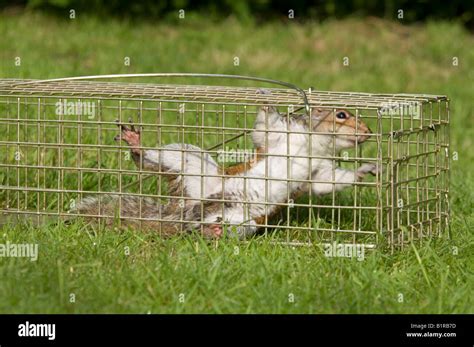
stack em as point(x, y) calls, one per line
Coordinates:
point(129, 211)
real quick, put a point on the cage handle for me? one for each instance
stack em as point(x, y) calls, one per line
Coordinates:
point(177, 74)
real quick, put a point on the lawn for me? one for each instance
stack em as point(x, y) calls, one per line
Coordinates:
point(80, 270)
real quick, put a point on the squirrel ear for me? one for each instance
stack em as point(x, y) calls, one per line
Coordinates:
point(318, 112)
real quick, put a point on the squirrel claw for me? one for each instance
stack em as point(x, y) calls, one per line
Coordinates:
point(122, 126)
point(135, 129)
point(132, 127)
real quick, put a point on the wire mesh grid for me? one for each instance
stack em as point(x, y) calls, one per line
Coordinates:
point(200, 163)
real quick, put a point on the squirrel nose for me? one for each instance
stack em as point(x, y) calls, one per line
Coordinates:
point(362, 138)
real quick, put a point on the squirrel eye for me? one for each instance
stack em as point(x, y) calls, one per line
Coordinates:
point(341, 115)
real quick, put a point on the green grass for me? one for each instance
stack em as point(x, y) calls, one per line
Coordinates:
point(257, 276)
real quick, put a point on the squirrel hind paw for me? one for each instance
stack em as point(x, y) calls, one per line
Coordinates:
point(131, 135)
point(213, 231)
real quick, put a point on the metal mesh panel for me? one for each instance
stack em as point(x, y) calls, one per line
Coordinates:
point(57, 149)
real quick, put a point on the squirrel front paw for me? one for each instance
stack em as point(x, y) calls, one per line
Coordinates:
point(131, 135)
point(367, 168)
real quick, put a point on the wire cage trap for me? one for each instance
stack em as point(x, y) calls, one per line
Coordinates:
point(304, 166)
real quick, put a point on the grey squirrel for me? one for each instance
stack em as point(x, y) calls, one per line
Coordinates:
point(202, 197)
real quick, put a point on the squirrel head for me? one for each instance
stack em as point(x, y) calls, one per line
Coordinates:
point(349, 129)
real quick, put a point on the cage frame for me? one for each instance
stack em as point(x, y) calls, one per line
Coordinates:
point(388, 210)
